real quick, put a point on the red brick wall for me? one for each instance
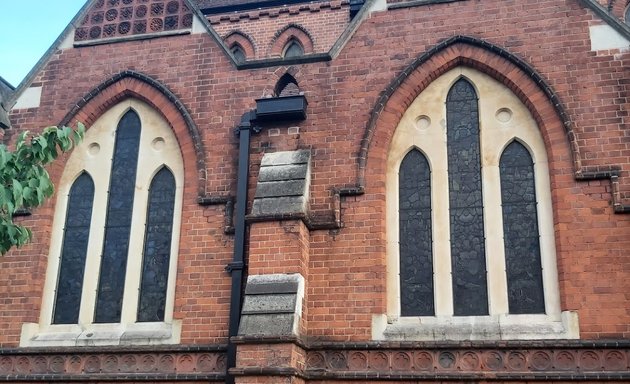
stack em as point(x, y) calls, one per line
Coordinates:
point(323, 21)
point(346, 278)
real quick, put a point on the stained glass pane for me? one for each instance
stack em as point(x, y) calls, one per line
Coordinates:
point(416, 249)
point(118, 222)
point(74, 251)
point(468, 255)
point(520, 231)
point(157, 247)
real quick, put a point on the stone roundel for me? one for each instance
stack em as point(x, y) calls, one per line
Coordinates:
point(379, 360)
point(446, 360)
point(6, 365)
point(358, 361)
point(590, 360)
point(615, 360)
point(424, 361)
point(493, 360)
point(540, 361)
point(517, 361)
point(564, 360)
point(206, 363)
point(315, 360)
point(401, 361)
point(469, 361)
point(337, 360)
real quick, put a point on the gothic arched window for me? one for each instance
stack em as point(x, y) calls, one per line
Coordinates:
point(293, 49)
point(471, 250)
point(238, 52)
point(114, 243)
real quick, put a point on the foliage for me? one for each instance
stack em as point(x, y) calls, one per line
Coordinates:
point(24, 182)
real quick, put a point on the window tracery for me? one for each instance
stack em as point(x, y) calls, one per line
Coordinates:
point(483, 239)
point(124, 244)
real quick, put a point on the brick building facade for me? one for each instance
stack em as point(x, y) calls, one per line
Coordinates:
point(328, 191)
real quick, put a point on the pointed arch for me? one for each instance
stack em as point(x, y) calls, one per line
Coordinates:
point(244, 41)
point(74, 250)
point(118, 218)
point(293, 48)
point(156, 254)
point(287, 85)
point(620, 9)
point(286, 34)
point(470, 294)
point(520, 230)
point(529, 86)
point(416, 240)
point(132, 84)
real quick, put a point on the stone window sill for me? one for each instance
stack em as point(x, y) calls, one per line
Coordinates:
point(500, 327)
point(34, 335)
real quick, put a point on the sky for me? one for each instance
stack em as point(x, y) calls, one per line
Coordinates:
point(27, 29)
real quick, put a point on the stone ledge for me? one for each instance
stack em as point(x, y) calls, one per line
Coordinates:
point(467, 328)
point(34, 335)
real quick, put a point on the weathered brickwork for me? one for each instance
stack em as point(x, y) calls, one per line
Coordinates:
point(538, 49)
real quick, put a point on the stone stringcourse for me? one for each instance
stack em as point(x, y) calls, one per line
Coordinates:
point(508, 361)
point(146, 364)
point(119, 18)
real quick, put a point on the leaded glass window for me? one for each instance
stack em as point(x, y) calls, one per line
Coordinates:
point(468, 255)
point(293, 49)
point(112, 252)
point(469, 218)
point(157, 247)
point(520, 231)
point(118, 220)
point(239, 53)
point(416, 258)
point(74, 251)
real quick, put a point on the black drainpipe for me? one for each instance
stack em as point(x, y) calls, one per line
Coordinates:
point(288, 108)
point(237, 265)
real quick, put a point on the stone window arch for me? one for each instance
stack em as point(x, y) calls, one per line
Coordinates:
point(121, 264)
point(460, 161)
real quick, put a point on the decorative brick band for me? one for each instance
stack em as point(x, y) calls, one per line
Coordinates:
point(312, 7)
point(483, 363)
point(111, 364)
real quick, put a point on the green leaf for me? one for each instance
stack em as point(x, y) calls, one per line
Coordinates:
point(23, 179)
point(17, 193)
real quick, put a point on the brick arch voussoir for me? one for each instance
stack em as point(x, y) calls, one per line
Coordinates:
point(513, 72)
point(288, 32)
point(243, 40)
point(131, 84)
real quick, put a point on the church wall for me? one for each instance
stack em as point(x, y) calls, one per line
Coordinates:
point(346, 282)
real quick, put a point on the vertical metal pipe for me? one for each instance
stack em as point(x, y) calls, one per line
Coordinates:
point(237, 265)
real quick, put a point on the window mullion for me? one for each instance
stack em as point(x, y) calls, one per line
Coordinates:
point(495, 251)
